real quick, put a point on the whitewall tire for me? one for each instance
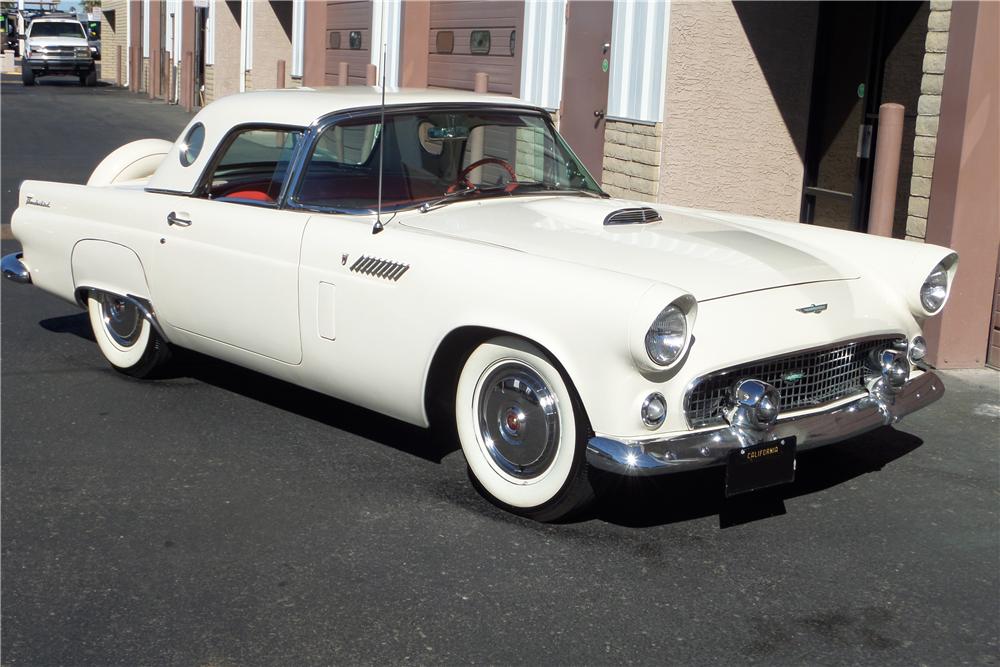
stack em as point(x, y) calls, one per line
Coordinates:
point(522, 431)
point(126, 338)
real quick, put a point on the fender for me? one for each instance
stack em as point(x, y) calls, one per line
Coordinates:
point(110, 267)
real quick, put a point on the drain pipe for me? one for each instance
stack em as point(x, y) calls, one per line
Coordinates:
point(887, 147)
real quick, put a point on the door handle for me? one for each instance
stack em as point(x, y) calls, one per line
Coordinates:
point(599, 113)
point(172, 219)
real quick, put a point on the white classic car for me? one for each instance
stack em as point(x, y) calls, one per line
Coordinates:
point(480, 278)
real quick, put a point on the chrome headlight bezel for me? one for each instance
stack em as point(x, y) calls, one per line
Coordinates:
point(666, 337)
point(935, 288)
point(82, 51)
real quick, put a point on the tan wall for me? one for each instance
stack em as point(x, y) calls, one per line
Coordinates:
point(928, 110)
point(226, 68)
point(632, 154)
point(737, 106)
point(113, 36)
point(145, 75)
point(272, 41)
point(209, 83)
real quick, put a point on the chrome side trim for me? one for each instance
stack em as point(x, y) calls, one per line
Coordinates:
point(15, 270)
point(702, 449)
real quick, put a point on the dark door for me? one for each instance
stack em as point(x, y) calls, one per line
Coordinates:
point(586, 65)
point(863, 58)
point(200, 19)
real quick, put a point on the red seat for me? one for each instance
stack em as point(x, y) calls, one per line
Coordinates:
point(255, 195)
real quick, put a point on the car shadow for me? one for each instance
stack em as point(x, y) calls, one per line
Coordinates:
point(624, 501)
point(652, 501)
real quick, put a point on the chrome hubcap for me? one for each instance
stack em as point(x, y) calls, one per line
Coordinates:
point(518, 420)
point(121, 319)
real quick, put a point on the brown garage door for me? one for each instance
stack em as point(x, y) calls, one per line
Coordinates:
point(348, 39)
point(993, 353)
point(470, 37)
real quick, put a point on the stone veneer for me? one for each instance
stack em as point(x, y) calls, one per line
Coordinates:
point(632, 154)
point(928, 110)
point(113, 36)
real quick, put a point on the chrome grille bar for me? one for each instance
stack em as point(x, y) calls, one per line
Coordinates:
point(805, 379)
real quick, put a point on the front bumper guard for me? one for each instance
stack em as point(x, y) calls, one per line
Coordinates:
point(702, 449)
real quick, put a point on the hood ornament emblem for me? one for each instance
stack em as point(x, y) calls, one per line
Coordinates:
point(814, 308)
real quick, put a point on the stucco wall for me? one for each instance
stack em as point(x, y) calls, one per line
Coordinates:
point(737, 106)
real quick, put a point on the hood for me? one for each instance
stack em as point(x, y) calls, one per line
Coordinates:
point(707, 257)
point(39, 42)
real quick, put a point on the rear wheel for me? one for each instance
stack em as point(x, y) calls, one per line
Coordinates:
point(522, 432)
point(27, 75)
point(126, 338)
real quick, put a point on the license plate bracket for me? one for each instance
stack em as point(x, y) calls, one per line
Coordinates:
point(760, 466)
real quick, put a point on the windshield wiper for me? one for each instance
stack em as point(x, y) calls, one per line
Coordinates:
point(551, 189)
point(447, 197)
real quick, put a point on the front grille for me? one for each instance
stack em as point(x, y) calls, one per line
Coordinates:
point(57, 51)
point(805, 379)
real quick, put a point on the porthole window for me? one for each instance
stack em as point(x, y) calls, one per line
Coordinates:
point(479, 42)
point(513, 41)
point(355, 40)
point(445, 41)
point(191, 147)
point(333, 40)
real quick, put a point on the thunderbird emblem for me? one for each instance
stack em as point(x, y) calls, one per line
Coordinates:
point(815, 308)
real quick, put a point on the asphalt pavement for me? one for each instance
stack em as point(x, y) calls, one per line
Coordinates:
point(219, 517)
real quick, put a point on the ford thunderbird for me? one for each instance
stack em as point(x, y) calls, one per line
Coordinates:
point(445, 259)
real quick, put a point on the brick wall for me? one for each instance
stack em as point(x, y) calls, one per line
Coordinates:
point(632, 154)
point(113, 35)
point(928, 110)
point(209, 83)
point(272, 23)
point(144, 87)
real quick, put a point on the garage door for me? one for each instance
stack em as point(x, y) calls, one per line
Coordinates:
point(470, 37)
point(993, 353)
point(348, 39)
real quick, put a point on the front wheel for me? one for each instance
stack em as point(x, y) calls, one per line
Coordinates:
point(89, 79)
point(522, 432)
point(126, 338)
point(27, 75)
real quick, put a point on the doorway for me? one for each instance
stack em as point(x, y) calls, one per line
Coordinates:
point(866, 54)
point(585, 80)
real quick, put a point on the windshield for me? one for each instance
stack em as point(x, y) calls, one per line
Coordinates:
point(57, 29)
point(429, 154)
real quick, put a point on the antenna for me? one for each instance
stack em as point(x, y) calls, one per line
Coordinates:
point(381, 142)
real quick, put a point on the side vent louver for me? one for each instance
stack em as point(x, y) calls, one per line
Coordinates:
point(379, 268)
point(632, 216)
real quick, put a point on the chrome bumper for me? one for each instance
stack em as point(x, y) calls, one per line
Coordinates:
point(14, 270)
point(712, 447)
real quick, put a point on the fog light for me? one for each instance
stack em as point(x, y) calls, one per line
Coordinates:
point(654, 410)
point(753, 404)
point(895, 369)
point(918, 349)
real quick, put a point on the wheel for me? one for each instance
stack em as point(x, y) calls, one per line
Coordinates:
point(27, 76)
point(89, 79)
point(522, 431)
point(126, 338)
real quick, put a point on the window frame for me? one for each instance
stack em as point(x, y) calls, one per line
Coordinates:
point(204, 184)
point(290, 192)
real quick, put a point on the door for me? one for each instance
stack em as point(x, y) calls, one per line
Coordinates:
point(198, 80)
point(586, 68)
point(226, 267)
point(866, 54)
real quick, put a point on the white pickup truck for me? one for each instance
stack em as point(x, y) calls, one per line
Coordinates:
point(57, 46)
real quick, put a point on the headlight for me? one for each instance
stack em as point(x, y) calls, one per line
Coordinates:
point(82, 51)
point(935, 289)
point(666, 336)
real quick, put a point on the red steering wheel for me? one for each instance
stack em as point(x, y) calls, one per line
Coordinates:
point(463, 177)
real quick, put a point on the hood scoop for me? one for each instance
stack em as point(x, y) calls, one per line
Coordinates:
point(632, 216)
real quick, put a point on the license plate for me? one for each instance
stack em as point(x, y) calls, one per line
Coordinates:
point(760, 466)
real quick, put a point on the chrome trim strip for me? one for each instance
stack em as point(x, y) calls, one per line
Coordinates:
point(141, 303)
point(702, 449)
point(14, 269)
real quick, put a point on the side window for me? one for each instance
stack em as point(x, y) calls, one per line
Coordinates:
point(350, 145)
point(253, 166)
